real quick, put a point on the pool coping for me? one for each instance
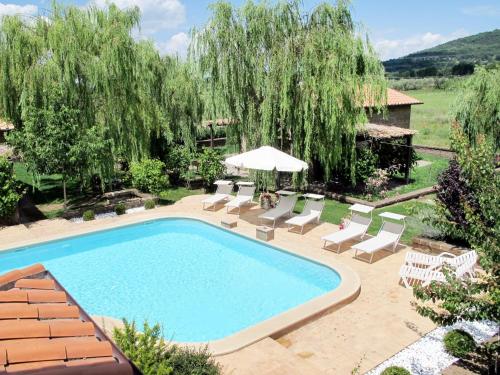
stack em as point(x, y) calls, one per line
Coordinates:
point(348, 289)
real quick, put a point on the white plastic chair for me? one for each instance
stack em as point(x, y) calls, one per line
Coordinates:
point(357, 227)
point(284, 207)
point(223, 192)
point(388, 236)
point(312, 212)
point(244, 196)
point(428, 275)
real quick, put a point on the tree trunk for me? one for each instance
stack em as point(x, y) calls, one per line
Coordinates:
point(64, 192)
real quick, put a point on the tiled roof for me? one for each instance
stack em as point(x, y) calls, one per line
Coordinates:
point(44, 331)
point(396, 98)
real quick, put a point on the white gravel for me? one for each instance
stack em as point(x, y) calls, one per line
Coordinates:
point(108, 214)
point(427, 356)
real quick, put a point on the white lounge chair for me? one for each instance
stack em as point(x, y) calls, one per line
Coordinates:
point(357, 227)
point(244, 196)
point(421, 260)
point(312, 212)
point(285, 207)
point(388, 235)
point(428, 275)
point(223, 193)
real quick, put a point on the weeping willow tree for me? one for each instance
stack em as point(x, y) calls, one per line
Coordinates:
point(477, 108)
point(291, 80)
point(122, 90)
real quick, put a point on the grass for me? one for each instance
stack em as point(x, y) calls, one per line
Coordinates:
point(335, 211)
point(432, 119)
point(422, 177)
point(175, 193)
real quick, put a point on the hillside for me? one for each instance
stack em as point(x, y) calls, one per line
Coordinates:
point(481, 48)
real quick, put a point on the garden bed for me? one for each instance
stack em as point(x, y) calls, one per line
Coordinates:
point(131, 198)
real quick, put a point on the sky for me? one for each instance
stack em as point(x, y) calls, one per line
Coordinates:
point(395, 27)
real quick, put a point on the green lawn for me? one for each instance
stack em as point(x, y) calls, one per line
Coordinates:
point(422, 177)
point(334, 211)
point(432, 119)
point(175, 193)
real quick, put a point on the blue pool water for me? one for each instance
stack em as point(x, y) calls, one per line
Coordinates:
point(200, 282)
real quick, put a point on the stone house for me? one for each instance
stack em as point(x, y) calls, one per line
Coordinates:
point(398, 110)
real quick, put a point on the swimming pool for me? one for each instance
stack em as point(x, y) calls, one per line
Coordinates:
point(202, 283)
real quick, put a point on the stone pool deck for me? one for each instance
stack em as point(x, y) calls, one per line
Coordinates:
point(376, 325)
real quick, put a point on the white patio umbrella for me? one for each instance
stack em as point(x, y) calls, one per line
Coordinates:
point(267, 158)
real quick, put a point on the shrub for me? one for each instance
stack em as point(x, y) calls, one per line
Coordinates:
point(366, 164)
point(10, 190)
point(148, 175)
point(120, 209)
point(188, 361)
point(178, 161)
point(149, 204)
point(152, 355)
point(395, 370)
point(459, 343)
point(376, 184)
point(88, 215)
point(147, 350)
point(211, 166)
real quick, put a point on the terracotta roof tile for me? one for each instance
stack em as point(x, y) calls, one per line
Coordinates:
point(18, 311)
point(19, 329)
point(49, 311)
point(49, 351)
point(48, 365)
point(46, 284)
point(77, 350)
point(66, 329)
point(44, 331)
point(13, 295)
point(40, 296)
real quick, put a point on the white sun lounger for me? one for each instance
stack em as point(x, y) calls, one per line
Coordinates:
point(388, 235)
point(312, 212)
point(244, 196)
point(285, 207)
point(223, 192)
point(434, 261)
point(428, 275)
point(357, 227)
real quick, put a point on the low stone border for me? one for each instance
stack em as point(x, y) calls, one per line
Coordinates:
point(138, 201)
point(430, 246)
point(382, 202)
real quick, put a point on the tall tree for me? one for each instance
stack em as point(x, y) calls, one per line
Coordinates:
point(291, 80)
point(477, 107)
point(120, 90)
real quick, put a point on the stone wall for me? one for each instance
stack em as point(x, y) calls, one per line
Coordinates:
point(396, 115)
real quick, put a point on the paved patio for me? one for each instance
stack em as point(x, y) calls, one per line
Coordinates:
point(372, 328)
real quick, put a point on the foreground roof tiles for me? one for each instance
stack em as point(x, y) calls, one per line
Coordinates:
point(44, 331)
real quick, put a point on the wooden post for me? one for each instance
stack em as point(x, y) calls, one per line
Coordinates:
point(408, 157)
point(211, 126)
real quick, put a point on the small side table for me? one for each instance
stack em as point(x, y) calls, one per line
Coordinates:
point(264, 233)
point(229, 222)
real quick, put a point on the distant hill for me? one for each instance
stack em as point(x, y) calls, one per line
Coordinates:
point(476, 49)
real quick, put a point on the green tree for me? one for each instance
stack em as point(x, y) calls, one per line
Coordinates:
point(477, 107)
point(52, 142)
point(478, 298)
point(291, 80)
point(10, 190)
point(124, 92)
